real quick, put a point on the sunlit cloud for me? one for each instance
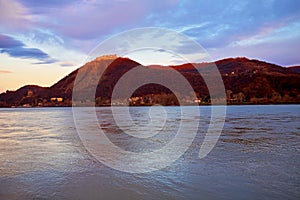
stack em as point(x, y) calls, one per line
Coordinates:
point(5, 72)
point(271, 34)
point(67, 64)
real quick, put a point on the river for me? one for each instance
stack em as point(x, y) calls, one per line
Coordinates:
point(256, 157)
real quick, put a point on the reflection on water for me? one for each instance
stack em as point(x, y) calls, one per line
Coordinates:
point(162, 132)
point(257, 156)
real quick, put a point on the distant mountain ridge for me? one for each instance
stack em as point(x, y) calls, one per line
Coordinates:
point(246, 82)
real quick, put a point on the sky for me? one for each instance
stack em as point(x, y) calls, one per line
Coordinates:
point(43, 41)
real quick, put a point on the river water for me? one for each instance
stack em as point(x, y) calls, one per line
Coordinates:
point(256, 157)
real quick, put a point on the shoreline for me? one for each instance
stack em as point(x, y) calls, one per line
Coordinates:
point(191, 105)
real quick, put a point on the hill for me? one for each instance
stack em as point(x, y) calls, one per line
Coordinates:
point(295, 69)
point(246, 81)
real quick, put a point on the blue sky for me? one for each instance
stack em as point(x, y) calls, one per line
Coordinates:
point(41, 41)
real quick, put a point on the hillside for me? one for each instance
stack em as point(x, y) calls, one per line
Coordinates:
point(295, 69)
point(246, 81)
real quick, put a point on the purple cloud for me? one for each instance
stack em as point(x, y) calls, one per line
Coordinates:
point(13, 16)
point(214, 24)
point(9, 42)
point(17, 49)
point(85, 20)
point(67, 64)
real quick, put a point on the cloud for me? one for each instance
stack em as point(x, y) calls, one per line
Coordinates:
point(5, 72)
point(267, 30)
point(67, 64)
point(272, 34)
point(216, 24)
point(79, 25)
point(276, 43)
point(22, 52)
point(9, 42)
point(281, 52)
point(49, 61)
point(17, 49)
point(85, 20)
point(13, 16)
point(38, 5)
point(160, 50)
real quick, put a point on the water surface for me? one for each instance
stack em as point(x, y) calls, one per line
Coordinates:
point(256, 157)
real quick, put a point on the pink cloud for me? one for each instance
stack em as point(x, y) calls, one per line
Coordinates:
point(88, 20)
point(5, 72)
point(13, 16)
point(284, 53)
point(67, 64)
